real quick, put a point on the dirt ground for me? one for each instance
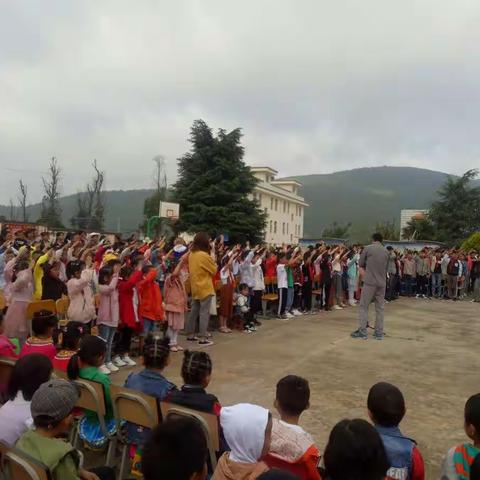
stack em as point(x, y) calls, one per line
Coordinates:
point(430, 353)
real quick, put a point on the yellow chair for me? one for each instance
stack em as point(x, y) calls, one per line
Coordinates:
point(208, 422)
point(61, 307)
point(38, 305)
point(17, 465)
point(3, 301)
point(6, 367)
point(135, 407)
point(270, 294)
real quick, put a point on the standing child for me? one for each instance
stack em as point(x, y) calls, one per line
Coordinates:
point(44, 323)
point(79, 285)
point(70, 343)
point(85, 364)
point(282, 281)
point(150, 300)
point(175, 304)
point(227, 291)
point(386, 408)
point(258, 287)
point(108, 310)
point(243, 308)
point(292, 448)
point(21, 292)
point(459, 459)
point(128, 308)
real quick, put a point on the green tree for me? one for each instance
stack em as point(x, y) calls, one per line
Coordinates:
point(389, 230)
point(214, 185)
point(420, 229)
point(51, 214)
point(472, 242)
point(456, 213)
point(336, 230)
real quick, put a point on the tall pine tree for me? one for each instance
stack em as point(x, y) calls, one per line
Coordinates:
point(213, 187)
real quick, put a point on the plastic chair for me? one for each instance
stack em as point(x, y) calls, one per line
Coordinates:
point(92, 397)
point(61, 307)
point(16, 465)
point(134, 407)
point(208, 422)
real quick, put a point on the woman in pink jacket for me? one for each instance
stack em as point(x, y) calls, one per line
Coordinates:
point(79, 286)
point(21, 293)
point(108, 310)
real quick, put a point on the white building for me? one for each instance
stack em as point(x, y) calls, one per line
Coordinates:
point(408, 215)
point(285, 209)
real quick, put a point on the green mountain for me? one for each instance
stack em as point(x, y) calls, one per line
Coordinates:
point(123, 209)
point(365, 196)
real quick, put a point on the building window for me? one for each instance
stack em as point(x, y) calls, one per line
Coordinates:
point(291, 237)
point(284, 206)
point(270, 226)
point(265, 210)
point(288, 207)
point(276, 205)
point(275, 227)
point(260, 198)
point(283, 228)
point(271, 204)
point(299, 211)
point(287, 228)
point(292, 217)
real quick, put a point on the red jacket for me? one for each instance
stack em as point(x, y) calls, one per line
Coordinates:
point(128, 318)
point(150, 297)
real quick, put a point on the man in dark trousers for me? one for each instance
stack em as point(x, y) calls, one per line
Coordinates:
point(373, 262)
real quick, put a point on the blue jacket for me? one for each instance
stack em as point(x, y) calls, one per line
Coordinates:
point(151, 383)
point(399, 452)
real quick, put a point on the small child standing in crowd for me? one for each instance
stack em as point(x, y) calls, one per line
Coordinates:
point(108, 311)
point(176, 305)
point(129, 321)
point(43, 326)
point(243, 308)
point(150, 300)
point(386, 408)
point(292, 448)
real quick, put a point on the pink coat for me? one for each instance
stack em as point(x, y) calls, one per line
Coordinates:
point(21, 290)
point(175, 295)
point(108, 311)
point(82, 305)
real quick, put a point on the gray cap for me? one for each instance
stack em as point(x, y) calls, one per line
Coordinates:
point(54, 399)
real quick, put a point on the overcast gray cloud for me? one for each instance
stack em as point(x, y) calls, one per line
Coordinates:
point(316, 85)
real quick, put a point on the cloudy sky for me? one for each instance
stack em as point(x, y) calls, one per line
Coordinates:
point(316, 85)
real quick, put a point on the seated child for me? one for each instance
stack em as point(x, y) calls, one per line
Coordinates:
point(85, 364)
point(27, 375)
point(292, 448)
point(52, 406)
point(43, 325)
point(242, 308)
point(156, 357)
point(177, 449)
point(70, 343)
point(459, 459)
point(247, 429)
point(7, 348)
point(196, 373)
point(386, 408)
point(354, 450)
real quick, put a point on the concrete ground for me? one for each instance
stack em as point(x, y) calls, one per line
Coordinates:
point(430, 353)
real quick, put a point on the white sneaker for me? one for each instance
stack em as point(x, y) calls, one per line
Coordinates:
point(337, 307)
point(297, 312)
point(128, 361)
point(112, 367)
point(103, 369)
point(289, 315)
point(118, 362)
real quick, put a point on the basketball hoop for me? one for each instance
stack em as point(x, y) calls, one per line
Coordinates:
point(169, 210)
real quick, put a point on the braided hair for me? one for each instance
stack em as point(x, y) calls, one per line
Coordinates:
point(196, 367)
point(156, 351)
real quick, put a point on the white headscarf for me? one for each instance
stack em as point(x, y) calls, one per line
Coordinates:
point(244, 428)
